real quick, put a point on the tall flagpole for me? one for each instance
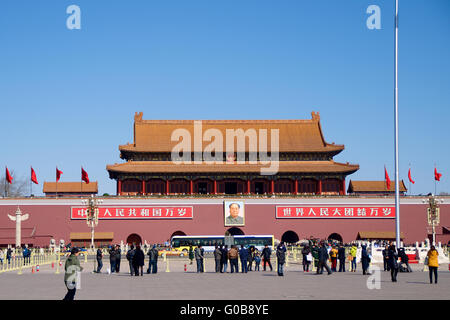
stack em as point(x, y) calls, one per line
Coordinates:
point(397, 193)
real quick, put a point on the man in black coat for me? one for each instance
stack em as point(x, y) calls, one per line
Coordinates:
point(365, 260)
point(217, 257)
point(130, 255)
point(266, 253)
point(99, 260)
point(118, 258)
point(392, 261)
point(112, 259)
point(224, 259)
point(323, 257)
point(385, 259)
point(153, 260)
point(138, 261)
point(341, 258)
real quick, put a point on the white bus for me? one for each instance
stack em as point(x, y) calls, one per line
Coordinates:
point(182, 243)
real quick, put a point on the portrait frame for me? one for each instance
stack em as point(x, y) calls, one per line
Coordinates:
point(227, 214)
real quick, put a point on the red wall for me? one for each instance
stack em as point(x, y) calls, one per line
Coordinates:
point(52, 217)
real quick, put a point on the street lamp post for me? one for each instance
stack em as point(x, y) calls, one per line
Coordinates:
point(433, 214)
point(92, 217)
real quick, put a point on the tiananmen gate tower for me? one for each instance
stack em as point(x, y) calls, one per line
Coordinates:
point(306, 164)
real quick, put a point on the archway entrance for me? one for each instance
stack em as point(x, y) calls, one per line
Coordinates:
point(290, 237)
point(134, 239)
point(335, 236)
point(177, 233)
point(234, 232)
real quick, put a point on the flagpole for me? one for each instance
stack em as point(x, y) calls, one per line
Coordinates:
point(435, 179)
point(56, 182)
point(397, 193)
point(410, 193)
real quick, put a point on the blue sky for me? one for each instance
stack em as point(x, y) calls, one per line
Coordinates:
point(68, 97)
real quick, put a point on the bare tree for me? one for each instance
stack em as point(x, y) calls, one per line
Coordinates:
point(18, 187)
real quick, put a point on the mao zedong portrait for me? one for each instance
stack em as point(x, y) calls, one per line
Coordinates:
point(235, 218)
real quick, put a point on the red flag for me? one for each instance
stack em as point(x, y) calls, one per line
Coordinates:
point(58, 174)
point(33, 176)
point(388, 181)
point(9, 178)
point(409, 176)
point(84, 175)
point(437, 175)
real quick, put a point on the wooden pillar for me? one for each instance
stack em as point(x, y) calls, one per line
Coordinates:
point(296, 186)
point(248, 187)
point(143, 186)
point(320, 187)
point(192, 186)
point(119, 187)
point(215, 186)
point(342, 191)
point(272, 186)
point(167, 186)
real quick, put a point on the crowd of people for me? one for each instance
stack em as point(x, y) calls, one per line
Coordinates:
point(250, 258)
point(318, 253)
point(135, 257)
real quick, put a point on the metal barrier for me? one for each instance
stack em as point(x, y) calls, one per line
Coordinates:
point(18, 263)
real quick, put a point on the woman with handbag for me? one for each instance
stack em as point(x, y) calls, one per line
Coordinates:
point(433, 263)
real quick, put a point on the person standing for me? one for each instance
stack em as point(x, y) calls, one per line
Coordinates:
point(153, 260)
point(224, 259)
point(281, 258)
point(306, 251)
point(99, 260)
point(2, 256)
point(199, 258)
point(257, 258)
point(217, 257)
point(341, 258)
point(130, 255)
point(251, 252)
point(433, 264)
point(393, 263)
point(71, 267)
point(353, 252)
point(323, 258)
point(8, 255)
point(118, 258)
point(138, 261)
point(243, 255)
point(385, 258)
point(365, 260)
point(233, 255)
point(333, 256)
point(112, 259)
point(266, 253)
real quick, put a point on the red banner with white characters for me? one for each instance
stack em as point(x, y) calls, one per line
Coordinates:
point(336, 212)
point(140, 212)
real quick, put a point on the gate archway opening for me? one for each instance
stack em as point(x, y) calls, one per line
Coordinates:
point(290, 237)
point(134, 239)
point(177, 233)
point(335, 236)
point(234, 231)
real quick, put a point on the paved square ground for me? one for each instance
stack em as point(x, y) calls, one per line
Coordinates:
point(177, 284)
